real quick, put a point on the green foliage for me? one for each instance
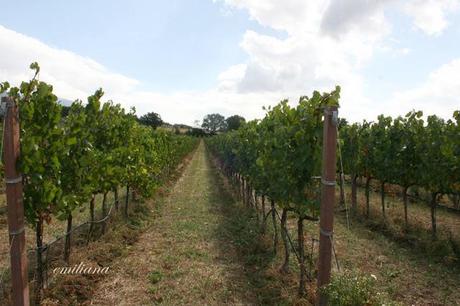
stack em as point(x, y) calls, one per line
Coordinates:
point(76, 168)
point(234, 122)
point(353, 289)
point(214, 123)
point(405, 151)
point(42, 147)
point(280, 154)
point(95, 148)
point(4, 86)
point(151, 119)
point(155, 277)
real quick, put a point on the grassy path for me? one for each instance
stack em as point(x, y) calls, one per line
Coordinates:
point(190, 255)
point(204, 248)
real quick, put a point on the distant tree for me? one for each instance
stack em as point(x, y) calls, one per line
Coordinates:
point(234, 122)
point(213, 123)
point(151, 119)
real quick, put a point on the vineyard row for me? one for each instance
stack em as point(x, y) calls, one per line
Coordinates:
point(279, 157)
point(97, 148)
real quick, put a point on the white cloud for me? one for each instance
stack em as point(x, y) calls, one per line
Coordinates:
point(363, 16)
point(328, 42)
point(185, 107)
point(404, 51)
point(76, 77)
point(292, 16)
point(439, 94)
point(430, 16)
point(274, 72)
point(229, 77)
point(71, 75)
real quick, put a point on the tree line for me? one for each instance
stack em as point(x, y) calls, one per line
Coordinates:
point(216, 123)
point(211, 124)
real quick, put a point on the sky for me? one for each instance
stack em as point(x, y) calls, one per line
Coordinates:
point(187, 58)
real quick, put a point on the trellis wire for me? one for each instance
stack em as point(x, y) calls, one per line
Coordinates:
point(313, 239)
point(291, 244)
point(46, 247)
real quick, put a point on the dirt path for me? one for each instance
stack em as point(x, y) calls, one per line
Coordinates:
point(184, 258)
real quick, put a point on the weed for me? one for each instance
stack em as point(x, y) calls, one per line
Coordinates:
point(155, 277)
point(352, 288)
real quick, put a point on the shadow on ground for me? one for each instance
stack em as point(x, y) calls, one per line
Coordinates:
point(238, 226)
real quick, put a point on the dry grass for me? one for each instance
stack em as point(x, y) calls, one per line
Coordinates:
point(178, 261)
point(419, 215)
point(195, 245)
point(417, 236)
point(406, 274)
point(53, 230)
point(204, 249)
point(120, 235)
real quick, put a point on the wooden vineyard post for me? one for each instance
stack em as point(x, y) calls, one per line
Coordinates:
point(15, 205)
point(327, 200)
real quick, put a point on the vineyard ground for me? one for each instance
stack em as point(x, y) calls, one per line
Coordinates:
point(418, 236)
point(419, 216)
point(203, 249)
point(404, 275)
point(54, 229)
point(195, 244)
point(206, 248)
point(115, 242)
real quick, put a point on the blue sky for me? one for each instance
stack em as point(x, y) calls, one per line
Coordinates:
point(169, 45)
point(389, 73)
point(191, 57)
